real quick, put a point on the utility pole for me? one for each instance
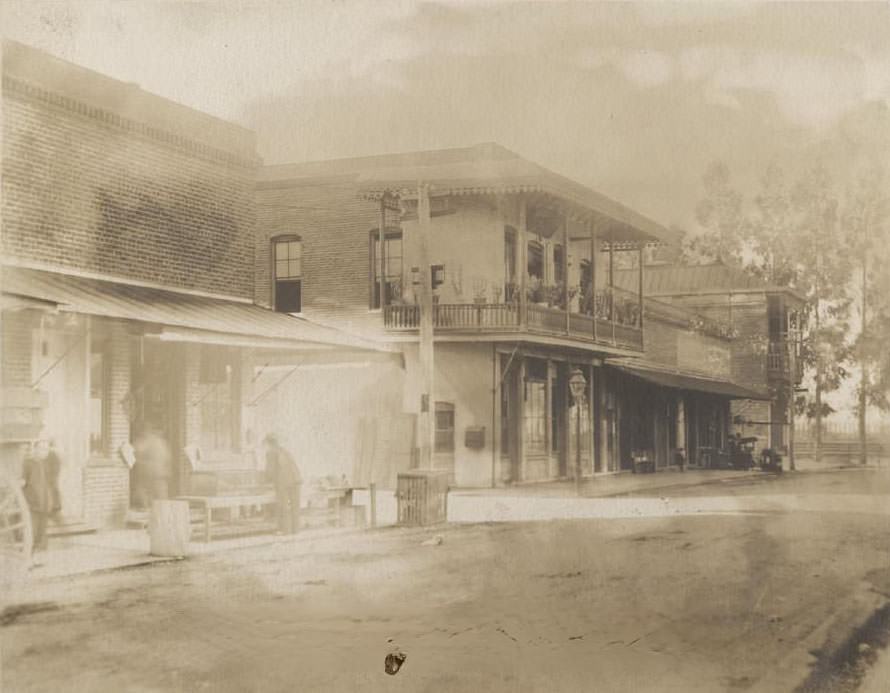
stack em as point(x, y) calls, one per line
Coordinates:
point(425, 427)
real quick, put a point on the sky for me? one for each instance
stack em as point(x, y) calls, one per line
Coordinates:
point(633, 100)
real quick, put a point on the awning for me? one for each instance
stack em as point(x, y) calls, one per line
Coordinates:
point(178, 316)
point(684, 380)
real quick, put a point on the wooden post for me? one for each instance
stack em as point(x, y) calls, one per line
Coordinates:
point(565, 271)
point(612, 281)
point(640, 295)
point(520, 420)
point(381, 237)
point(426, 431)
point(592, 229)
point(372, 499)
point(522, 269)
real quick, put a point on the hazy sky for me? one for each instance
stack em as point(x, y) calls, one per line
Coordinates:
point(632, 99)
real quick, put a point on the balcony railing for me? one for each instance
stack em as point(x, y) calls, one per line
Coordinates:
point(540, 319)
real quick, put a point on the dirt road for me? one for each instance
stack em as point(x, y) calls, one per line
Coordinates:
point(683, 604)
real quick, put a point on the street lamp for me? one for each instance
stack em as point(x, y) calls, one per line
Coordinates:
point(577, 387)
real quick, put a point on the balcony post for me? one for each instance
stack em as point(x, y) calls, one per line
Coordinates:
point(642, 304)
point(591, 227)
point(522, 249)
point(381, 237)
point(612, 281)
point(565, 271)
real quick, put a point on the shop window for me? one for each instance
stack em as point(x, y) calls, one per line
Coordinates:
point(535, 418)
point(444, 427)
point(288, 273)
point(392, 280)
point(218, 400)
point(99, 396)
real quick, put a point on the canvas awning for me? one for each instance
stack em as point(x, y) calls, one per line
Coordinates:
point(171, 315)
point(684, 380)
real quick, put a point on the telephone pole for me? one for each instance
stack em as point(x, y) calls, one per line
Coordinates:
point(425, 428)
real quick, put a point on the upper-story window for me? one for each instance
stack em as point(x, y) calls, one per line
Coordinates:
point(392, 277)
point(536, 260)
point(558, 267)
point(288, 270)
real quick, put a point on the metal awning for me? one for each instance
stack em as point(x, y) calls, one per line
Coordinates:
point(685, 380)
point(178, 316)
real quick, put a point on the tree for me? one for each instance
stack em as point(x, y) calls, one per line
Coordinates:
point(823, 263)
point(720, 214)
point(867, 225)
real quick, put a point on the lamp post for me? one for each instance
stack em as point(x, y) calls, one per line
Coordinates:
point(577, 387)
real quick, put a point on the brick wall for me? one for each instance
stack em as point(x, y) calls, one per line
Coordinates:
point(106, 494)
point(120, 373)
point(86, 189)
point(15, 368)
point(334, 224)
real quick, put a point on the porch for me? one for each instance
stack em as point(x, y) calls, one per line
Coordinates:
point(612, 319)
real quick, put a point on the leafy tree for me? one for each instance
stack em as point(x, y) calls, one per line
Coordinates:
point(867, 226)
point(720, 214)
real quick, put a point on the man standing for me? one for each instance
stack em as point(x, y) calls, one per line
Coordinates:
point(40, 473)
point(282, 471)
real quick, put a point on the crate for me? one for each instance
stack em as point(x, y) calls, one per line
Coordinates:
point(422, 496)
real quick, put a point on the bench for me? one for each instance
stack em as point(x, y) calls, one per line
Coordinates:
point(208, 504)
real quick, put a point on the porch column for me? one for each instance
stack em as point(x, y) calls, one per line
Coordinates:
point(591, 419)
point(522, 248)
point(612, 281)
point(565, 269)
point(591, 227)
point(381, 237)
point(497, 375)
point(640, 294)
point(520, 424)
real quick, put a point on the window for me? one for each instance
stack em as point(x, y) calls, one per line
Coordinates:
point(393, 275)
point(444, 427)
point(535, 418)
point(98, 413)
point(509, 254)
point(536, 260)
point(288, 268)
point(558, 274)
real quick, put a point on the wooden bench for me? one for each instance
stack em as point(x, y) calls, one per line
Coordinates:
point(208, 504)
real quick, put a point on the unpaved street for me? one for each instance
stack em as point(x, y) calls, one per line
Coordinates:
point(707, 603)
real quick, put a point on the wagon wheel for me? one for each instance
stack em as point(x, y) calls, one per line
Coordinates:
point(15, 530)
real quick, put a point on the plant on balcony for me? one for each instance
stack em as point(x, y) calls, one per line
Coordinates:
point(480, 291)
point(511, 292)
point(536, 291)
point(497, 291)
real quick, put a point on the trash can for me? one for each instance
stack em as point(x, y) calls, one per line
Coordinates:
point(169, 528)
point(422, 496)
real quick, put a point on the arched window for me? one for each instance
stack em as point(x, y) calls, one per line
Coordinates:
point(287, 269)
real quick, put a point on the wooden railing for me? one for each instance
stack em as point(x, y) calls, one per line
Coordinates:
point(778, 359)
point(506, 317)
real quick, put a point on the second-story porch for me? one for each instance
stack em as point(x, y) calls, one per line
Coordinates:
point(520, 250)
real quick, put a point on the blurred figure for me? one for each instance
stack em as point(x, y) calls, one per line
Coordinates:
point(40, 473)
point(282, 471)
point(153, 468)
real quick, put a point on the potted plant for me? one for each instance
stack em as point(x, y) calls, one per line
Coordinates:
point(480, 292)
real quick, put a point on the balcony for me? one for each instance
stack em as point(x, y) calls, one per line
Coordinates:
point(781, 362)
point(544, 320)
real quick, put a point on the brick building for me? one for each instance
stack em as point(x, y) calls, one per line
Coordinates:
point(128, 236)
point(531, 293)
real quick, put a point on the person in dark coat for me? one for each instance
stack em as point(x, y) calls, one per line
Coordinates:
point(282, 471)
point(40, 473)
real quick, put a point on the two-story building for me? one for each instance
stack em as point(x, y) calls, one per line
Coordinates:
point(762, 319)
point(127, 279)
point(529, 297)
